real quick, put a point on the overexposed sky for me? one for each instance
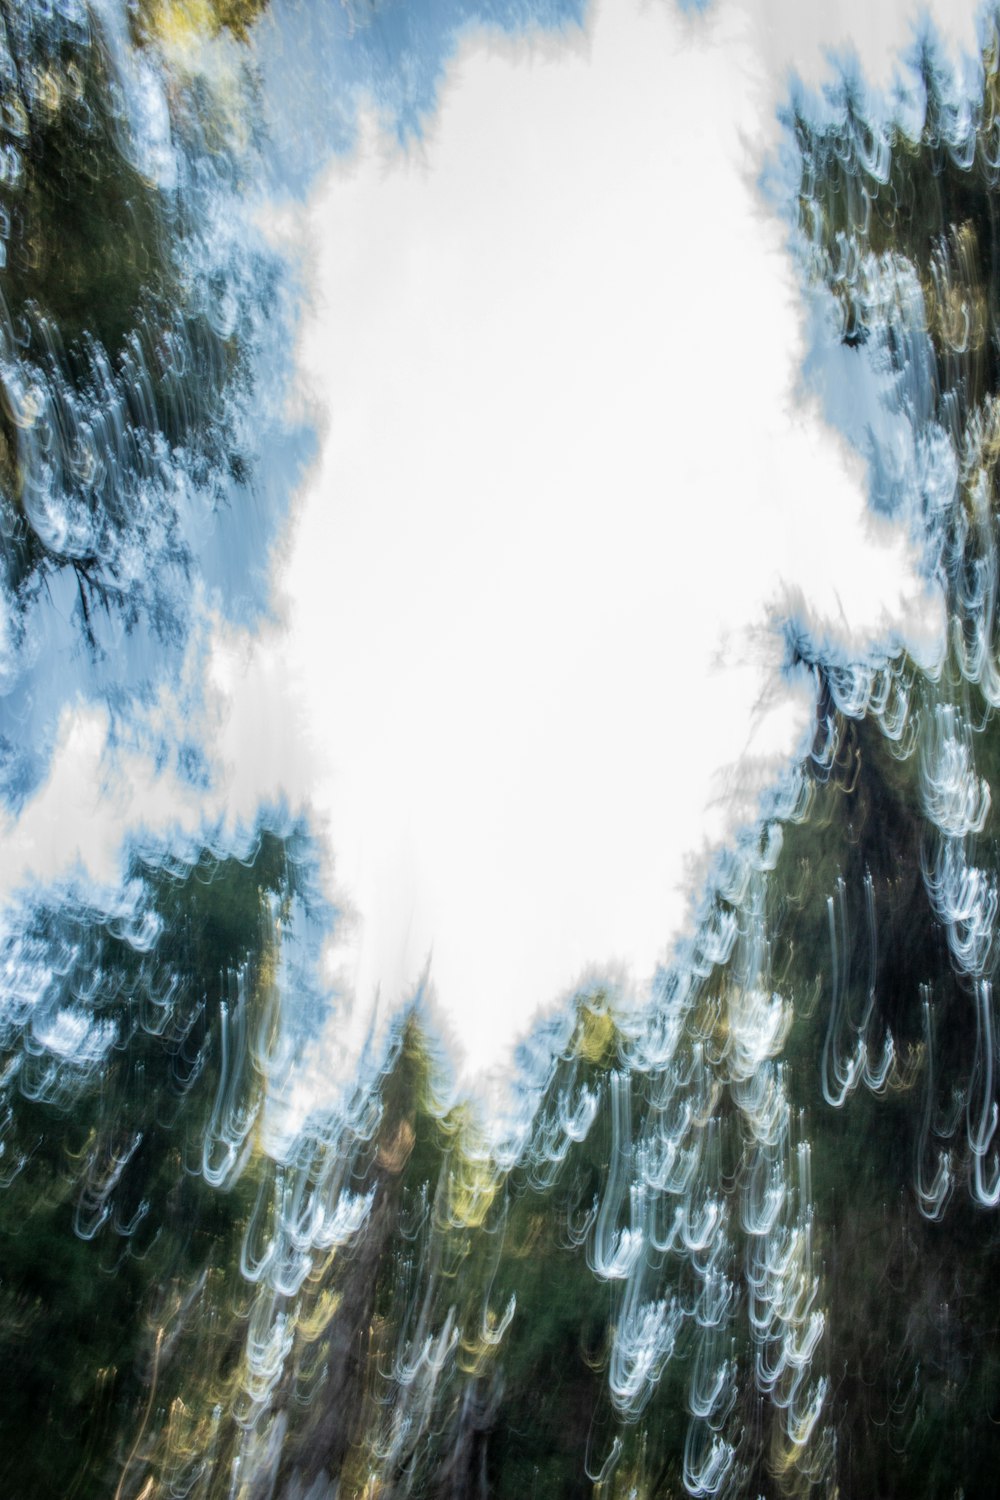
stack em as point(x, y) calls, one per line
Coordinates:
point(564, 473)
point(565, 478)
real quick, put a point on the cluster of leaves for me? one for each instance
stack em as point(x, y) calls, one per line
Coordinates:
point(115, 1239)
point(912, 1341)
point(154, 20)
point(402, 1368)
point(112, 355)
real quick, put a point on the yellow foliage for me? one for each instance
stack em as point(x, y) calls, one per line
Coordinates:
point(179, 22)
point(472, 1187)
point(596, 1035)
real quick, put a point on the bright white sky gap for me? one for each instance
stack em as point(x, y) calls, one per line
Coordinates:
point(564, 476)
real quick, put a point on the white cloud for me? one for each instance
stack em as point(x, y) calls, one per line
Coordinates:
point(564, 474)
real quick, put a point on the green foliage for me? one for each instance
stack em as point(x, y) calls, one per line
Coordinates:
point(111, 1229)
point(112, 355)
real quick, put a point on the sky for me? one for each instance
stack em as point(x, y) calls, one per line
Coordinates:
point(524, 673)
point(566, 480)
